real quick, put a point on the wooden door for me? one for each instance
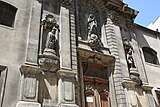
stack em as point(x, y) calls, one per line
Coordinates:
point(96, 94)
point(104, 101)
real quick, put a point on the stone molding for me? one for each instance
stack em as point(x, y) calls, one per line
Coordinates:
point(147, 87)
point(114, 17)
point(29, 83)
point(66, 73)
point(101, 58)
point(122, 9)
point(129, 84)
point(28, 104)
point(30, 69)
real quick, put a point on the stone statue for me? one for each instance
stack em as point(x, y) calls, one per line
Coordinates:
point(130, 59)
point(49, 60)
point(92, 26)
point(129, 53)
point(93, 39)
point(49, 21)
point(52, 42)
point(134, 74)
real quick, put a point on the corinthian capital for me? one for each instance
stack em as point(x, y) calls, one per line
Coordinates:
point(114, 18)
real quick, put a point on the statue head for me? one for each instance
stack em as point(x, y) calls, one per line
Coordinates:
point(91, 17)
point(55, 28)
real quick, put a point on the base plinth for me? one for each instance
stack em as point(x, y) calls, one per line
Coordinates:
point(28, 104)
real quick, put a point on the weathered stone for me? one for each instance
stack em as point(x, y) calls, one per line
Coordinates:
point(82, 62)
point(27, 104)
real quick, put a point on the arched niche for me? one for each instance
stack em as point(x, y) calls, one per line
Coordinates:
point(85, 8)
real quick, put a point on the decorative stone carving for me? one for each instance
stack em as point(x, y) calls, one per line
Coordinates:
point(130, 25)
point(84, 11)
point(49, 21)
point(52, 43)
point(134, 75)
point(128, 52)
point(92, 26)
point(49, 60)
point(114, 18)
point(93, 39)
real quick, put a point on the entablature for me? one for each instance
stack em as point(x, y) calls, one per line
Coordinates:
point(103, 58)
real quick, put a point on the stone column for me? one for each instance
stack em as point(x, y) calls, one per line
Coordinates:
point(29, 86)
point(68, 59)
point(33, 33)
point(117, 76)
point(65, 46)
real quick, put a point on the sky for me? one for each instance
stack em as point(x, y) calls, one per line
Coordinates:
point(149, 10)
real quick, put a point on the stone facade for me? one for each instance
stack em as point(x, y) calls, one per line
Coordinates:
point(76, 53)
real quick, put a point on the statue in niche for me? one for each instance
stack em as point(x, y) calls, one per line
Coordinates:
point(52, 42)
point(49, 60)
point(93, 39)
point(49, 21)
point(92, 26)
point(134, 75)
point(129, 53)
point(130, 59)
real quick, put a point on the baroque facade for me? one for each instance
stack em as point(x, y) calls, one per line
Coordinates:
point(76, 53)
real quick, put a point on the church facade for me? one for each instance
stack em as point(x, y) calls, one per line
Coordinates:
point(76, 53)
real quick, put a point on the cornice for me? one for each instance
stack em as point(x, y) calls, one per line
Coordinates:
point(122, 9)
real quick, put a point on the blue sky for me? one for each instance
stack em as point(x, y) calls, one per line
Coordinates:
point(149, 10)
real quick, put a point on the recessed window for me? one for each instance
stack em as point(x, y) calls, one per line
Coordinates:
point(150, 55)
point(7, 14)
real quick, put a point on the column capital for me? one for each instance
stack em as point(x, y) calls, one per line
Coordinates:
point(129, 84)
point(30, 69)
point(114, 18)
point(65, 2)
point(147, 87)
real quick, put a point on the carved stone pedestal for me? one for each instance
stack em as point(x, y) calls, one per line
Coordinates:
point(49, 61)
point(130, 91)
point(29, 86)
point(66, 88)
point(134, 75)
point(48, 91)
